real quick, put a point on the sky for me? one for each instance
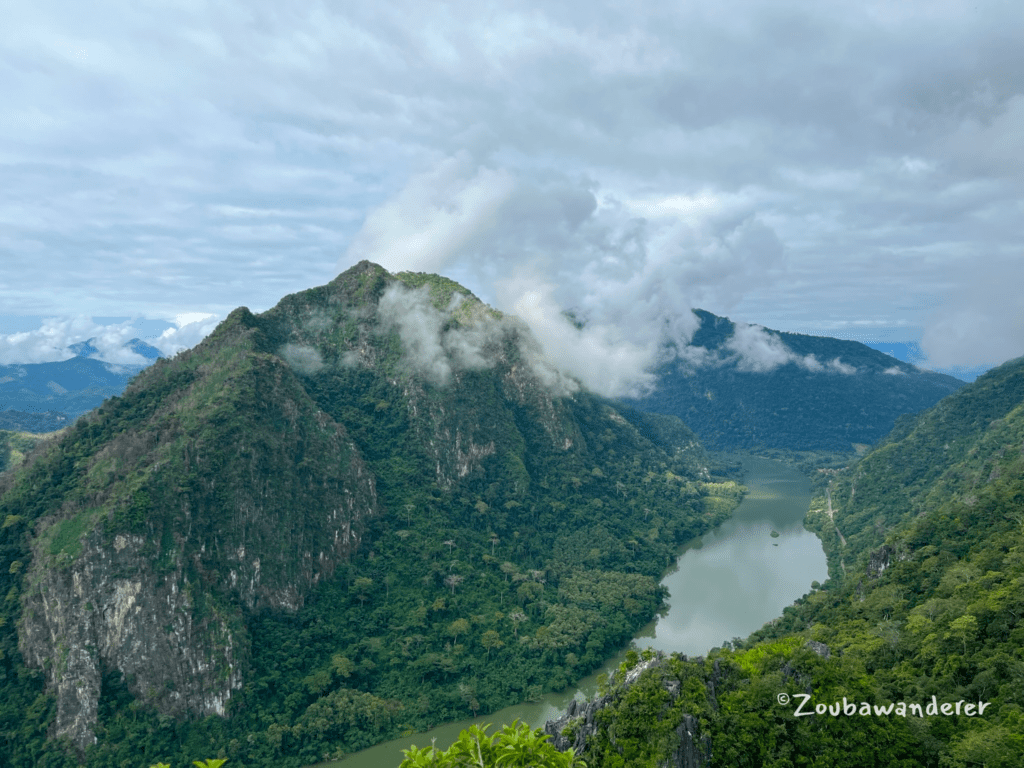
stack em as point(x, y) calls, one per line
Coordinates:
point(844, 169)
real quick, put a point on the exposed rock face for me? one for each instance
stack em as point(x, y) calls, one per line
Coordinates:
point(83, 619)
point(882, 558)
point(693, 749)
point(174, 527)
point(231, 479)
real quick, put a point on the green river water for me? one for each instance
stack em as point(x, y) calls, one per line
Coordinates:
point(726, 584)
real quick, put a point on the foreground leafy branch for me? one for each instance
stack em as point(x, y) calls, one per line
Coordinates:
point(515, 746)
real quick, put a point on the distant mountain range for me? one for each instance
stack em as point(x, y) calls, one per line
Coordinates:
point(745, 386)
point(42, 397)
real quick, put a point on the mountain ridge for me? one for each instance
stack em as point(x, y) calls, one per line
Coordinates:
point(380, 480)
point(923, 608)
point(740, 386)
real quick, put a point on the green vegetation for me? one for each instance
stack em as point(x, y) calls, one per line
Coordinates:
point(926, 599)
point(14, 446)
point(515, 745)
point(510, 537)
point(791, 407)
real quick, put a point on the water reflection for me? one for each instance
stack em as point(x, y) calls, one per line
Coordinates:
point(726, 584)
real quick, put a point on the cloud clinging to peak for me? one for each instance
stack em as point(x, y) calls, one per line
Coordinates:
point(813, 167)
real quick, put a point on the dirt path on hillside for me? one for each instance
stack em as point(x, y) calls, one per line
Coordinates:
point(831, 516)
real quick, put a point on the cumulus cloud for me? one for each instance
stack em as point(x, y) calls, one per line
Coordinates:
point(438, 214)
point(189, 329)
point(429, 348)
point(748, 158)
point(756, 350)
point(51, 341)
point(601, 356)
point(548, 243)
point(304, 359)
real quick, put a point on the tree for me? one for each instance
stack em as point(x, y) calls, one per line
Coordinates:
point(964, 629)
point(361, 587)
point(341, 665)
point(453, 581)
point(490, 640)
point(456, 628)
point(517, 618)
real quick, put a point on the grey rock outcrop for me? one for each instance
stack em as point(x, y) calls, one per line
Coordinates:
point(579, 726)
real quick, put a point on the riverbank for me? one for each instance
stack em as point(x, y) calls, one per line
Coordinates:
point(725, 584)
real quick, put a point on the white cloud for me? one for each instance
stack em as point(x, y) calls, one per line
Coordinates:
point(783, 162)
point(306, 360)
point(601, 356)
point(839, 366)
point(49, 343)
point(191, 328)
point(434, 218)
point(982, 320)
point(548, 243)
point(757, 350)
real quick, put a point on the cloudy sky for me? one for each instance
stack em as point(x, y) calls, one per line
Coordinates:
point(846, 169)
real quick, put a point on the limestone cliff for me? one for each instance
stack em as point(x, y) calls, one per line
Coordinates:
point(228, 488)
point(371, 423)
point(582, 727)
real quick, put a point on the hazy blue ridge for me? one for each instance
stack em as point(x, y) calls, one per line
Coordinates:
point(68, 387)
point(790, 406)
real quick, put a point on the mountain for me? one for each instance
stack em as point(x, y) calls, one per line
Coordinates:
point(924, 608)
point(15, 444)
point(39, 423)
point(67, 388)
point(742, 386)
point(138, 346)
point(372, 508)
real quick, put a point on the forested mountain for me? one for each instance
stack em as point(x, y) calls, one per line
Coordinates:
point(925, 606)
point(14, 445)
point(35, 422)
point(66, 389)
point(743, 386)
point(370, 509)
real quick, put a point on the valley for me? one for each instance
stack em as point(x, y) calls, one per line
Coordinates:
point(725, 584)
point(377, 507)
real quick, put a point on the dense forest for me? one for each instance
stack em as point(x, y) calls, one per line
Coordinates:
point(822, 393)
point(924, 606)
point(315, 531)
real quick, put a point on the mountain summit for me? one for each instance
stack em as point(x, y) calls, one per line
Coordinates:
point(375, 506)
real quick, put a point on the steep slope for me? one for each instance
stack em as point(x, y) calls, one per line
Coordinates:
point(15, 444)
point(925, 607)
point(162, 515)
point(373, 507)
point(762, 388)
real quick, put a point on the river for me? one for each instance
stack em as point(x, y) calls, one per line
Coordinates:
point(726, 584)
